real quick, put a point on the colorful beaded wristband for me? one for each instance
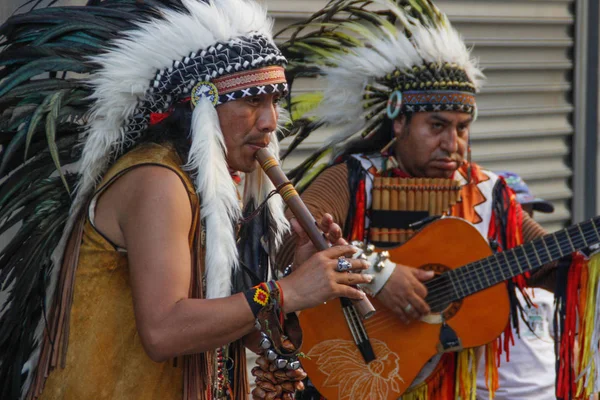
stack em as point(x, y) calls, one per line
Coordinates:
point(257, 297)
point(263, 294)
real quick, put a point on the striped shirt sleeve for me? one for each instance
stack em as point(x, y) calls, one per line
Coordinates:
point(544, 277)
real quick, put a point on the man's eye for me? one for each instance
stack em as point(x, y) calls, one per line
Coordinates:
point(254, 100)
point(437, 125)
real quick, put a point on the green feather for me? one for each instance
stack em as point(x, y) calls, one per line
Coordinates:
point(39, 67)
point(32, 195)
point(16, 218)
point(311, 49)
point(51, 134)
point(12, 147)
point(37, 167)
point(62, 29)
point(19, 183)
point(35, 120)
point(310, 174)
point(305, 103)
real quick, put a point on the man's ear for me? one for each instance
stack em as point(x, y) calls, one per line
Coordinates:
point(398, 126)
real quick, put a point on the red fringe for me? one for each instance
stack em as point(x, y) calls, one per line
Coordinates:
point(358, 229)
point(565, 385)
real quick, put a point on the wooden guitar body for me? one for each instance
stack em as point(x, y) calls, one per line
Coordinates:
point(334, 362)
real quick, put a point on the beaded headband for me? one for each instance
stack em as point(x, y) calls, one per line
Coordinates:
point(225, 71)
point(426, 88)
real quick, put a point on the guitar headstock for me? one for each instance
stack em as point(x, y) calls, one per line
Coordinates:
point(380, 266)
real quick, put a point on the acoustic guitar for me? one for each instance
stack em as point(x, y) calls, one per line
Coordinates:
point(378, 358)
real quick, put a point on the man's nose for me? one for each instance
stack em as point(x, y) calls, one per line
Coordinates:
point(450, 140)
point(267, 120)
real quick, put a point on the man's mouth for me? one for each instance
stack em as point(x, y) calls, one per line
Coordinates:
point(445, 163)
point(257, 145)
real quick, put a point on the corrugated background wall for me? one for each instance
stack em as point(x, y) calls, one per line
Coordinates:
point(524, 123)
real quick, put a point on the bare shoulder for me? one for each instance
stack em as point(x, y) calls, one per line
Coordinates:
point(153, 188)
point(152, 180)
point(147, 197)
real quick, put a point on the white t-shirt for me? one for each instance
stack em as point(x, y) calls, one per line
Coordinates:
point(530, 374)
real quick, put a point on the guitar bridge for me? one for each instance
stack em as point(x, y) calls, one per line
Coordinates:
point(359, 333)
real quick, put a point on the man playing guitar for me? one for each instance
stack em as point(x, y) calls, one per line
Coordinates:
point(402, 108)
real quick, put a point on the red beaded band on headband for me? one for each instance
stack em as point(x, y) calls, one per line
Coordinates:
point(247, 79)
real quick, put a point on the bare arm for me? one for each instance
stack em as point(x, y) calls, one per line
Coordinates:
point(155, 219)
point(153, 214)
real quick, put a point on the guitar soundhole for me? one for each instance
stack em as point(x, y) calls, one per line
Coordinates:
point(438, 288)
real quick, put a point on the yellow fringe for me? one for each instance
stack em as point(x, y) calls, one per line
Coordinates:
point(589, 369)
point(491, 368)
point(466, 375)
point(418, 393)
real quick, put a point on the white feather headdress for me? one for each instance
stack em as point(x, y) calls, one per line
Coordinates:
point(376, 59)
point(127, 88)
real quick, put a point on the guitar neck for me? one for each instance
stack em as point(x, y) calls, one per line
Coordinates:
point(504, 265)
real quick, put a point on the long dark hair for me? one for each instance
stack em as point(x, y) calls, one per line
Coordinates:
point(174, 129)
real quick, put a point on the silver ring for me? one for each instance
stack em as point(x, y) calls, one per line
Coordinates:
point(343, 264)
point(408, 308)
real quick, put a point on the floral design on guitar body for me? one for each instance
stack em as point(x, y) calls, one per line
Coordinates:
point(341, 361)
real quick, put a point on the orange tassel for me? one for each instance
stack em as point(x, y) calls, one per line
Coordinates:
point(492, 362)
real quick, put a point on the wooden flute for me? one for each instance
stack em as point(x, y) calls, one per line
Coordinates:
point(291, 197)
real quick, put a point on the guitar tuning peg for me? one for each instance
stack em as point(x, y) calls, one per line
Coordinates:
point(370, 249)
point(379, 266)
point(384, 255)
point(358, 243)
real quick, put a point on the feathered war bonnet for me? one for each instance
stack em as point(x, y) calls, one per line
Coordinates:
point(212, 52)
point(377, 59)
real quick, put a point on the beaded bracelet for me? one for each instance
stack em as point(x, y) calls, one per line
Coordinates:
point(258, 297)
point(266, 302)
point(276, 296)
point(264, 294)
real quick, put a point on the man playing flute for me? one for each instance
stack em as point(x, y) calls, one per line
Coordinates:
point(164, 270)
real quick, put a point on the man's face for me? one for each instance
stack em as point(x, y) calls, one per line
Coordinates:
point(432, 144)
point(246, 124)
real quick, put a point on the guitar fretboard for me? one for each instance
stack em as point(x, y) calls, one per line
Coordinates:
point(504, 265)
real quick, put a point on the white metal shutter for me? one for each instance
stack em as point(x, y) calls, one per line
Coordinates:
point(525, 107)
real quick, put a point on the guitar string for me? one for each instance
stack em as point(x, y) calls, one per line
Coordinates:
point(577, 242)
point(519, 258)
point(478, 266)
point(471, 276)
point(468, 277)
point(472, 269)
point(447, 297)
